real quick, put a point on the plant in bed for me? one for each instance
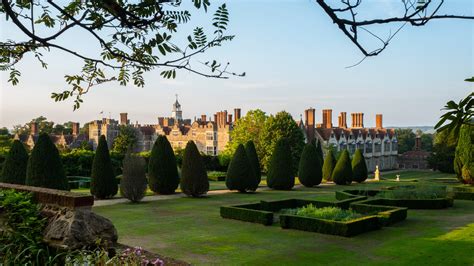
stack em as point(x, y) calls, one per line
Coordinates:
point(414, 192)
point(327, 213)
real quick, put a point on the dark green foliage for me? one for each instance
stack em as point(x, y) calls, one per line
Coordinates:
point(254, 162)
point(240, 174)
point(280, 171)
point(359, 168)
point(464, 160)
point(103, 184)
point(248, 213)
point(328, 165)
point(310, 168)
point(193, 175)
point(45, 168)
point(319, 151)
point(14, 169)
point(342, 174)
point(163, 175)
point(133, 183)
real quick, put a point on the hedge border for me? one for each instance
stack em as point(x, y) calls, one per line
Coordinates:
point(463, 193)
point(248, 213)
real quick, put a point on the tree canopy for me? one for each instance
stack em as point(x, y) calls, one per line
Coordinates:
point(126, 139)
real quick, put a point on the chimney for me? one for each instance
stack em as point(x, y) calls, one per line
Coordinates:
point(361, 120)
point(229, 120)
point(418, 143)
point(354, 120)
point(310, 117)
point(327, 118)
point(215, 118)
point(203, 118)
point(34, 128)
point(343, 120)
point(75, 129)
point(123, 118)
point(165, 121)
point(378, 121)
point(237, 114)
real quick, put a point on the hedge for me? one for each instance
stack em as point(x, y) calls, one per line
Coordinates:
point(387, 214)
point(248, 213)
point(463, 193)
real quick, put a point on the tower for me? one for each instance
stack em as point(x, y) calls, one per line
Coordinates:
point(177, 114)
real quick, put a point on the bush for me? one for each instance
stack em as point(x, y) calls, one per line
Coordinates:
point(327, 213)
point(240, 174)
point(328, 166)
point(464, 162)
point(45, 168)
point(342, 174)
point(254, 162)
point(310, 169)
point(103, 183)
point(14, 169)
point(193, 175)
point(359, 168)
point(248, 213)
point(280, 171)
point(162, 169)
point(133, 183)
point(319, 151)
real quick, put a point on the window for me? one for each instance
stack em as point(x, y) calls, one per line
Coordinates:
point(378, 147)
point(394, 146)
point(387, 146)
point(209, 135)
point(210, 150)
point(368, 147)
point(175, 133)
point(342, 146)
point(352, 148)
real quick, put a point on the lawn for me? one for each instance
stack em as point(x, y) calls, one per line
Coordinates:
point(192, 230)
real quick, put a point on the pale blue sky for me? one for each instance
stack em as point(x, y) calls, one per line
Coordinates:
point(294, 58)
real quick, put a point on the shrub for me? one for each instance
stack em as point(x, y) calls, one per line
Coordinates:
point(319, 151)
point(45, 168)
point(254, 162)
point(280, 170)
point(327, 213)
point(162, 169)
point(342, 174)
point(310, 169)
point(193, 175)
point(328, 166)
point(464, 162)
point(359, 168)
point(14, 168)
point(240, 174)
point(133, 183)
point(103, 183)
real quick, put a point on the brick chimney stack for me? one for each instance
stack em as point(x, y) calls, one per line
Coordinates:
point(124, 119)
point(327, 118)
point(75, 129)
point(418, 143)
point(309, 115)
point(229, 120)
point(215, 118)
point(34, 128)
point(357, 120)
point(237, 114)
point(361, 120)
point(343, 120)
point(203, 118)
point(378, 121)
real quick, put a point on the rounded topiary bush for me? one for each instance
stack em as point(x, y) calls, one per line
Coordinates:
point(310, 169)
point(280, 171)
point(45, 168)
point(328, 165)
point(254, 162)
point(240, 174)
point(103, 183)
point(342, 173)
point(359, 168)
point(14, 167)
point(163, 174)
point(194, 180)
point(133, 183)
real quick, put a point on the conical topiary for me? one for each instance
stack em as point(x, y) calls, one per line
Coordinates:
point(103, 183)
point(319, 152)
point(240, 174)
point(254, 162)
point(45, 168)
point(163, 174)
point(359, 168)
point(310, 169)
point(328, 165)
point(14, 168)
point(194, 180)
point(342, 173)
point(280, 171)
point(133, 183)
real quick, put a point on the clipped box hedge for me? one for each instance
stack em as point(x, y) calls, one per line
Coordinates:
point(248, 213)
point(463, 193)
point(387, 215)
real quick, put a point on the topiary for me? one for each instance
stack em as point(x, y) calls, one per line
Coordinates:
point(194, 180)
point(319, 152)
point(254, 162)
point(103, 183)
point(464, 155)
point(310, 168)
point(359, 168)
point(45, 168)
point(342, 173)
point(240, 174)
point(133, 183)
point(163, 174)
point(328, 165)
point(14, 168)
point(280, 171)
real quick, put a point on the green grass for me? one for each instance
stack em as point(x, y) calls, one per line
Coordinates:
point(192, 230)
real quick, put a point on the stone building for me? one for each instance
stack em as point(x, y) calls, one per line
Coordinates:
point(107, 127)
point(415, 159)
point(378, 144)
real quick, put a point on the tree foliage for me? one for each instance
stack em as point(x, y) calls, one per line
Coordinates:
point(328, 166)
point(457, 115)
point(280, 173)
point(103, 183)
point(126, 140)
point(240, 174)
point(133, 183)
point(359, 167)
point(254, 163)
point(406, 139)
point(442, 156)
point(342, 173)
point(14, 169)
point(162, 169)
point(464, 162)
point(194, 180)
point(310, 168)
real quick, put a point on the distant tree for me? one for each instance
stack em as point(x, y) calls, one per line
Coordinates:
point(442, 156)
point(162, 169)
point(342, 173)
point(84, 129)
point(310, 168)
point(328, 166)
point(406, 139)
point(45, 168)
point(44, 126)
point(103, 184)
point(126, 139)
point(359, 167)
point(427, 141)
point(280, 173)
point(240, 174)
point(194, 180)
point(254, 162)
point(464, 155)
point(4, 131)
point(14, 169)
point(133, 183)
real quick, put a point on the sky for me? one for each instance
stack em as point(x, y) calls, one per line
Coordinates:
point(294, 58)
